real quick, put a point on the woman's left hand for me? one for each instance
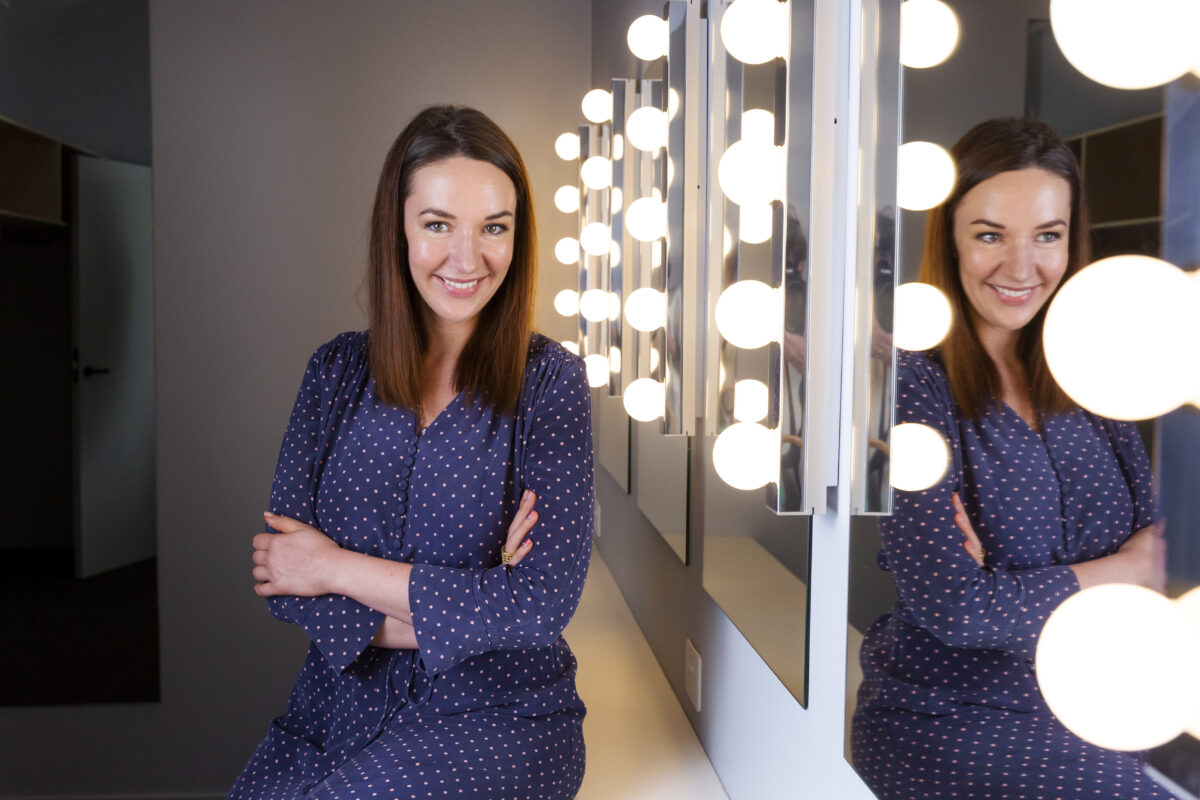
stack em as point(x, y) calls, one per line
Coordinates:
point(296, 561)
point(972, 545)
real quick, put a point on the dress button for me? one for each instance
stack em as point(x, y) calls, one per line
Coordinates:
point(405, 472)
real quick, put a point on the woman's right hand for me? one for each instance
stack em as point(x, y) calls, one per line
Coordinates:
point(517, 545)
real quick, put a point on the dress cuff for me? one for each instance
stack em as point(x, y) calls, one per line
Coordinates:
point(446, 617)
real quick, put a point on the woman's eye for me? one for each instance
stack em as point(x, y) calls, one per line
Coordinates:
point(1049, 236)
point(495, 228)
point(988, 237)
point(436, 226)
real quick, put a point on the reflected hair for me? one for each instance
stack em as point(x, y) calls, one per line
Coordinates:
point(989, 148)
point(492, 363)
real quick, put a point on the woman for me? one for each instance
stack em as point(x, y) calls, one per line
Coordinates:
point(402, 499)
point(1050, 499)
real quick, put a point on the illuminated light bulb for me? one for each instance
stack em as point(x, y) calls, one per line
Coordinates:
point(756, 31)
point(670, 170)
point(922, 316)
point(672, 103)
point(656, 255)
point(749, 400)
point(614, 306)
point(752, 172)
point(1143, 367)
point(726, 242)
point(566, 250)
point(614, 255)
point(567, 146)
point(646, 219)
point(928, 33)
point(1190, 605)
point(755, 223)
point(649, 37)
point(614, 360)
point(924, 175)
point(566, 302)
point(566, 199)
point(615, 200)
point(595, 238)
point(1091, 645)
point(750, 314)
point(593, 305)
point(645, 399)
point(919, 457)
point(598, 105)
point(597, 370)
point(722, 375)
point(571, 347)
point(647, 129)
point(654, 358)
point(746, 455)
point(596, 173)
point(618, 147)
point(646, 309)
point(758, 125)
point(1127, 45)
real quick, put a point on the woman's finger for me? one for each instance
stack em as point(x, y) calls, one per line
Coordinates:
point(521, 551)
point(261, 574)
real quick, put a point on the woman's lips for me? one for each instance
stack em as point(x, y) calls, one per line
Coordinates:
point(1012, 297)
point(460, 288)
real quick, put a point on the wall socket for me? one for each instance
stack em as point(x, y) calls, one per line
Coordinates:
point(691, 672)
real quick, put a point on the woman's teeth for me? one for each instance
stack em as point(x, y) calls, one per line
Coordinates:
point(460, 285)
point(1013, 293)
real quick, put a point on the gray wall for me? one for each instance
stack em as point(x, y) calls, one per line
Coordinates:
point(271, 120)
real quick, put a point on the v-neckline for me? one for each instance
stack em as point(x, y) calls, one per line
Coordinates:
point(421, 429)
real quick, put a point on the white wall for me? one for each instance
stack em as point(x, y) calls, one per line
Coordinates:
point(271, 119)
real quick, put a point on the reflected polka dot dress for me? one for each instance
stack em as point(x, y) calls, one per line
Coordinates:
point(487, 707)
point(949, 706)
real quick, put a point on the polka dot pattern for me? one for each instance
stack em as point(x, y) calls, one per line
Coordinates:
point(487, 707)
point(949, 706)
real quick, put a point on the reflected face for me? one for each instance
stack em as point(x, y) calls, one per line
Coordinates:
point(459, 221)
point(1011, 233)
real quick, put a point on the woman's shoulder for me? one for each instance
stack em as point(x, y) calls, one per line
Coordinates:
point(922, 387)
point(923, 367)
point(545, 352)
point(549, 366)
point(346, 351)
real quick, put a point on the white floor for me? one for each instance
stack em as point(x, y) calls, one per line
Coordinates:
point(639, 742)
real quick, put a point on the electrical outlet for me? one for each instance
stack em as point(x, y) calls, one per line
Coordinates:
point(691, 672)
point(596, 520)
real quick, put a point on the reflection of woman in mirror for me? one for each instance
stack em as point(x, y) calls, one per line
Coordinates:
point(409, 472)
point(1041, 499)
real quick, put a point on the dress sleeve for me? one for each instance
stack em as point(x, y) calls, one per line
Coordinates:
point(1135, 466)
point(340, 627)
point(944, 589)
point(458, 613)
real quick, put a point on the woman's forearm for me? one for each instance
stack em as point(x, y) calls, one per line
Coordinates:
point(395, 634)
point(1106, 569)
point(378, 583)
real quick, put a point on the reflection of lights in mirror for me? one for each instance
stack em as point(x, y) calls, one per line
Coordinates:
point(746, 455)
point(1158, 339)
point(1094, 641)
point(928, 33)
point(748, 314)
point(596, 173)
point(598, 106)
point(756, 31)
point(597, 370)
point(616, 200)
point(618, 147)
point(593, 305)
point(921, 316)
point(614, 255)
point(749, 400)
point(647, 219)
point(645, 399)
point(614, 360)
point(924, 175)
point(646, 309)
point(648, 129)
point(571, 347)
point(567, 146)
point(1128, 45)
point(595, 238)
point(752, 172)
point(920, 457)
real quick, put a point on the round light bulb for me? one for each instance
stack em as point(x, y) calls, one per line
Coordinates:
point(672, 103)
point(646, 309)
point(755, 31)
point(924, 175)
point(752, 172)
point(618, 147)
point(645, 399)
point(595, 238)
point(919, 457)
point(746, 455)
point(614, 306)
point(654, 358)
point(571, 347)
point(755, 223)
point(567, 146)
point(749, 400)
point(758, 125)
point(726, 242)
point(656, 255)
point(614, 255)
point(649, 37)
point(614, 360)
point(749, 314)
point(647, 129)
point(615, 200)
point(566, 199)
point(921, 316)
point(596, 173)
point(566, 250)
point(1122, 337)
point(598, 105)
point(1127, 45)
point(1091, 645)
point(593, 305)
point(566, 302)
point(597, 370)
point(646, 219)
point(928, 33)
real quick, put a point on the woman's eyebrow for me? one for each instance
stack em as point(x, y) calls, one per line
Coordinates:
point(499, 214)
point(1054, 223)
point(988, 222)
point(437, 212)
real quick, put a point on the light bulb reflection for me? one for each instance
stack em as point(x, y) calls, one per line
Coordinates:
point(647, 129)
point(646, 309)
point(595, 238)
point(571, 347)
point(746, 455)
point(596, 173)
point(645, 399)
point(749, 400)
point(597, 370)
point(646, 219)
point(593, 305)
point(749, 314)
point(755, 31)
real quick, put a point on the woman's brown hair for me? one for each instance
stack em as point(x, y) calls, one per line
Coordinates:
point(992, 147)
point(492, 363)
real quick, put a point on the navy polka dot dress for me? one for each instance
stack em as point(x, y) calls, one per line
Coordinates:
point(487, 707)
point(949, 706)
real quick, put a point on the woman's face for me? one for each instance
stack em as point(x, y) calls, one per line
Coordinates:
point(1011, 233)
point(459, 221)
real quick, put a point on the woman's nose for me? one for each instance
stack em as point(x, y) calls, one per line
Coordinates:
point(464, 252)
point(1022, 260)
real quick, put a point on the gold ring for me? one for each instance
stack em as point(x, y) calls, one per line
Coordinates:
point(505, 556)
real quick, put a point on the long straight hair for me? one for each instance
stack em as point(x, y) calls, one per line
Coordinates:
point(992, 147)
point(492, 363)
